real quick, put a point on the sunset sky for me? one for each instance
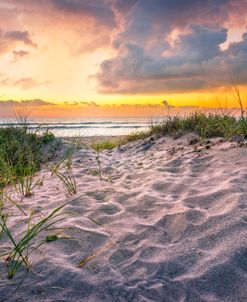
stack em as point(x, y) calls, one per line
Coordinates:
point(81, 55)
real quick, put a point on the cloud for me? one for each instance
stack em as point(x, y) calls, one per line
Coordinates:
point(85, 25)
point(10, 39)
point(24, 83)
point(94, 104)
point(96, 41)
point(124, 6)
point(19, 36)
point(19, 54)
point(156, 46)
point(28, 83)
point(150, 22)
point(8, 107)
point(202, 44)
point(34, 102)
point(37, 103)
point(99, 10)
point(172, 46)
point(134, 70)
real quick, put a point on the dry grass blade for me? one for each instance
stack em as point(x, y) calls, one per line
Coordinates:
point(96, 222)
point(98, 252)
point(238, 98)
point(99, 164)
point(4, 220)
point(9, 199)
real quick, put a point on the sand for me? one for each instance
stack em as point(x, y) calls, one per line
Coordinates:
point(168, 222)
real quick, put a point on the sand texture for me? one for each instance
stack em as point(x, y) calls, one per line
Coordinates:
point(168, 222)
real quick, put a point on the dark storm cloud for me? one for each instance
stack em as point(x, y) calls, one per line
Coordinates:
point(136, 70)
point(148, 62)
point(155, 19)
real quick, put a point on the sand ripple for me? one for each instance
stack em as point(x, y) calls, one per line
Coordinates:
point(169, 228)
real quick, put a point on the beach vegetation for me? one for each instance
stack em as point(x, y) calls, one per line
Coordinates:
point(30, 240)
point(110, 144)
point(64, 171)
point(52, 237)
point(107, 144)
point(6, 200)
point(21, 156)
point(137, 135)
point(205, 125)
point(99, 164)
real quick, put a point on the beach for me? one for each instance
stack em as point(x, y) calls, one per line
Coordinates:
point(123, 151)
point(165, 220)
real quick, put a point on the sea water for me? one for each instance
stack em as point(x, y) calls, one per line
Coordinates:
point(74, 127)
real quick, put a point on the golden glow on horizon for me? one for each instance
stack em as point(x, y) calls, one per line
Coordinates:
point(67, 50)
point(202, 99)
point(146, 106)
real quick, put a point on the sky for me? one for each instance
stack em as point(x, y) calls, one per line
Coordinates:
point(108, 57)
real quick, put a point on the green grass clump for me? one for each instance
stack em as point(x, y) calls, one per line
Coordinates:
point(205, 125)
point(110, 144)
point(106, 145)
point(21, 156)
point(134, 136)
point(51, 238)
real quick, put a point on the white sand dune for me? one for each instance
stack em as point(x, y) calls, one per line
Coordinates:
point(171, 226)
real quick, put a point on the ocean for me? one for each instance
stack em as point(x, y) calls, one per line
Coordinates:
point(73, 127)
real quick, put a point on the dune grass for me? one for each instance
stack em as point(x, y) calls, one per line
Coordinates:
point(63, 170)
point(20, 156)
point(205, 125)
point(106, 145)
point(23, 247)
point(110, 144)
point(20, 159)
point(134, 136)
